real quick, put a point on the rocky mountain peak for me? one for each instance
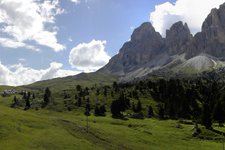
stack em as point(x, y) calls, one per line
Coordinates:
point(214, 25)
point(145, 31)
point(144, 45)
point(177, 37)
point(211, 40)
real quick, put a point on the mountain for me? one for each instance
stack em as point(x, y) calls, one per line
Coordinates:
point(179, 52)
point(211, 39)
point(144, 45)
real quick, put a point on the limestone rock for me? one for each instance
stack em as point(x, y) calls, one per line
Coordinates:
point(177, 37)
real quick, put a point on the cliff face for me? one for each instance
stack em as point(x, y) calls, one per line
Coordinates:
point(211, 40)
point(177, 37)
point(144, 45)
point(147, 49)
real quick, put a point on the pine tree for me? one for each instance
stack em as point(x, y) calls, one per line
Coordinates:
point(134, 108)
point(47, 96)
point(139, 107)
point(33, 96)
point(79, 101)
point(115, 86)
point(102, 110)
point(97, 92)
point(87, 108)
point(218, 113)
point(97, 110)
point(115, 108)
point(78, 88)
point(161, 111)
point(206, 116)
point(15, 99)
point(150, 112)
point(24, 95)
point(14, 103)
point(105, 91)
point(27, 106)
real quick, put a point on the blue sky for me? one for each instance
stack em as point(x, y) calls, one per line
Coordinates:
point(110, 20)
point(65, 37)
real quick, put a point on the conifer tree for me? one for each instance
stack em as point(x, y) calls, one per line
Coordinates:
point(139, 106)
point(150, 112)
point(47, 96)
point(218, 113)
point(206, 116)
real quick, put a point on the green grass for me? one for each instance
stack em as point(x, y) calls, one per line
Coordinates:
point(56, 128)
point(46, 130)
point(84, 79)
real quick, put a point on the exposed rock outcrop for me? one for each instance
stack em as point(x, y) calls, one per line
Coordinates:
point(177, 38)
point(144, 45)
point(211, 40)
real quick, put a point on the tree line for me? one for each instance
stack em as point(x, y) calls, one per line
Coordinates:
point(199, 99)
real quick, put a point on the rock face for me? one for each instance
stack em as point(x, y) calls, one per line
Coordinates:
point(147, 50)
point(211, 39)
point(144, 45)
point(177, 38)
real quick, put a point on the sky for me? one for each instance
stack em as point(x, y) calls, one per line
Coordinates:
point(45, 39)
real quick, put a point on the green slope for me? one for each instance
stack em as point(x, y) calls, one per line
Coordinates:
point(46, 130)
point(84, 79)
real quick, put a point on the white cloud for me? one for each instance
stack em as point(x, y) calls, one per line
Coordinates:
point(6, 42)
point(75, 1)
point(89, 56)
point(28, 20)
point(50, 72)
point(17, 74)
point(193, 12)
point(70, 39)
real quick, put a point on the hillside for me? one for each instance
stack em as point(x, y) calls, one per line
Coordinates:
point(70, 82)
point(46, 130)
point(62, 123)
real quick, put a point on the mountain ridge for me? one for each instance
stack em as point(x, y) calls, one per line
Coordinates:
point(148, 50)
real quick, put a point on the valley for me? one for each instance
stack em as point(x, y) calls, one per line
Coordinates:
point(159, 92)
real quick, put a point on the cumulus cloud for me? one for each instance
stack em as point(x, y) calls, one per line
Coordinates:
point(193, 12)
point(29, 20)
point(89, 56)
point(17, 74)
point(54, 67)
point(6, 42)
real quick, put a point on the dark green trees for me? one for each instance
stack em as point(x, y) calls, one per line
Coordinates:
point(161, 111)
point(139, 106)
point(27, 106)
point(100, 111)
point(87, 108)
point(219, 113)
point(15, 102)
point(206, 116)
point(150, 112)
point(116, 109)
point(119, 105)
point(47, 97)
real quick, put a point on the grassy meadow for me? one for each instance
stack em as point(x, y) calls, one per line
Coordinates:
point(51, 130)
